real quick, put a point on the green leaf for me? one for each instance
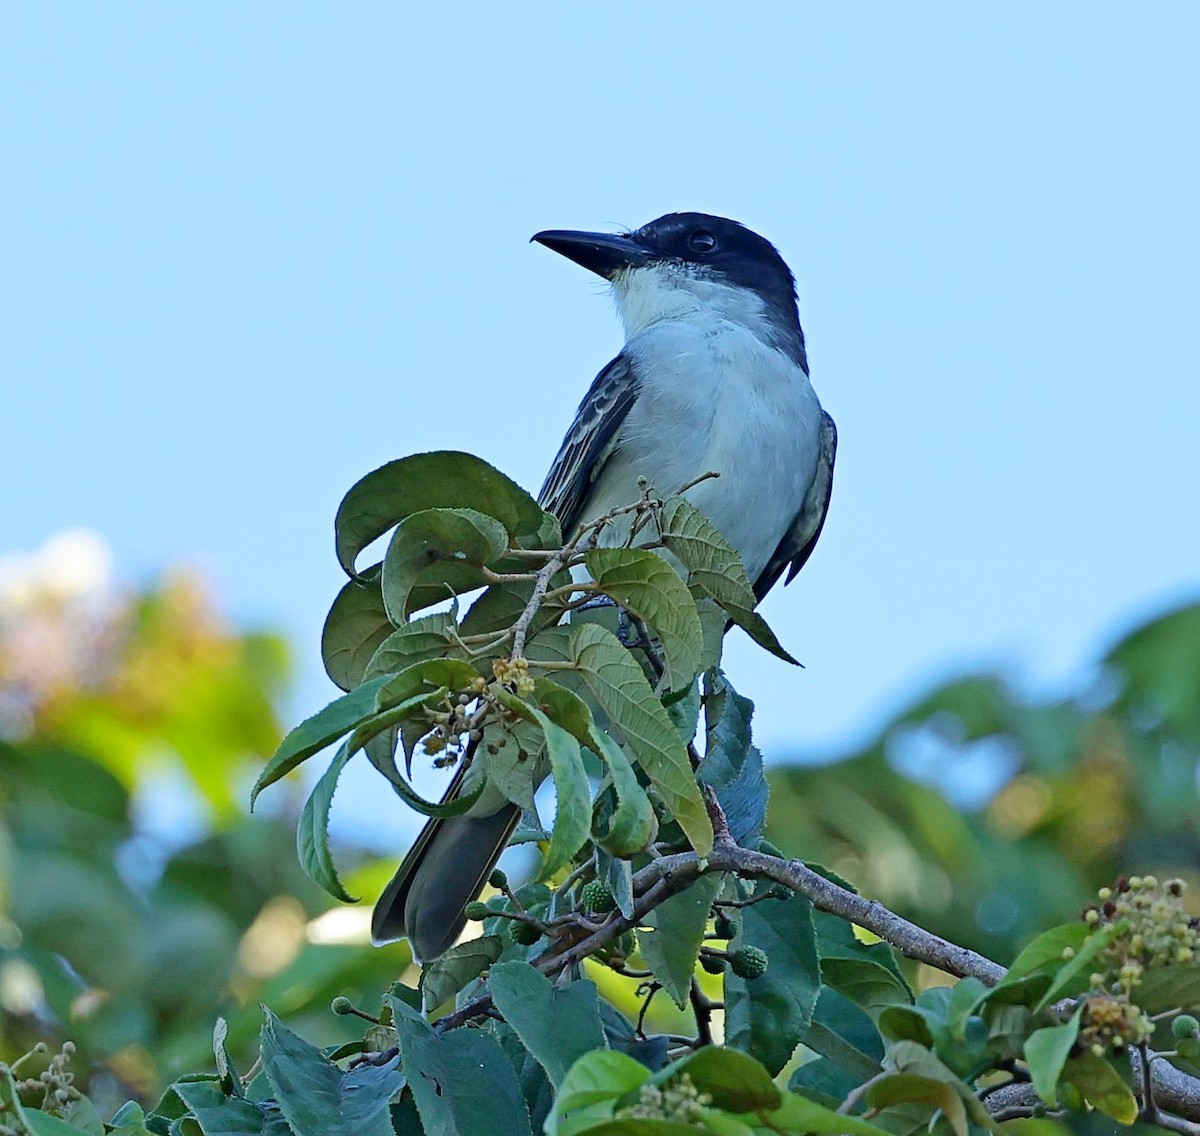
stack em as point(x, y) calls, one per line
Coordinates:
point(845, 1034)
point(355, 626)
point(907, 1088)
point(44, 1124)
point(726, 730)
point(221, 1115)
point(798, 1114)
point(734, 1080)
point(1046, 1053)
point(622, 691)
point(454, 674)
point(1073, 975)
point(556, 1026)
point(1045, 954)
point(715, 569)
point(441, 480)
point(649, 588)
point(436, 554)
point(676, 928)
point(462, 1081)
point(231, 1083)
point(426, 638)
point(319, 731)
point(591, 1085)
point(1162, 987)
point(519, 765)
point(129, 1120)
point(1101, 1086)
point(630, 1126)
point(316, 1097)
point(866, 973)
point(573, 793)
point(633, 824)
point(312, 831)
point(767, 1016)
point(446, 975)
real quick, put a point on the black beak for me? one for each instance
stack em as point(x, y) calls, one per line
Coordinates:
point(602, 253)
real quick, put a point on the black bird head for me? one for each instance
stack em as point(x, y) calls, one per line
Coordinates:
point(693, 246)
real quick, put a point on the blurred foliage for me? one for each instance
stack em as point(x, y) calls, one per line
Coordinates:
point(124, 934)
point(137, 899)
point(1074, 792)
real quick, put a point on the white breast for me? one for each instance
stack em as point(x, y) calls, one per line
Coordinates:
point(715, 397)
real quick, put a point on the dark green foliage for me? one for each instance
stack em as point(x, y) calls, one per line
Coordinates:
point(575, 1046)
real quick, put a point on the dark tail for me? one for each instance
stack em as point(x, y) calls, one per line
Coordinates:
point(444, 870)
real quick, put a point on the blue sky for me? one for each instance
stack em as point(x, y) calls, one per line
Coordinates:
point(253, 251)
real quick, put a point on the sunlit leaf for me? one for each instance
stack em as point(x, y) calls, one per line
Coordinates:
point(798, 1114)
point(440, 480)
point(573, 815)
point(355, 626)
point(1101, 1086)
point(619, 686)
point(1046, 1053)
point(446, 975)
point(319, 731)
point(735, 1081)
point(426, 638)
point(649, 588)
point(591, 1085)
point(436, 554)
point(715, 569)
point(633, 824)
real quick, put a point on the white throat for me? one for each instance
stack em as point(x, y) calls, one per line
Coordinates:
point(653, 293)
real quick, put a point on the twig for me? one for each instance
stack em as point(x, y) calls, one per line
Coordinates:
point(702, 1007)
point(1176, 1095)
point(652, 988)
point(1149, 1108)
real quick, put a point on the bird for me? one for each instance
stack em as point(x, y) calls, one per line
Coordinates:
point(713, 377)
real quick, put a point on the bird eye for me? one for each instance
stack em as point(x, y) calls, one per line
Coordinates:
point(702, 241)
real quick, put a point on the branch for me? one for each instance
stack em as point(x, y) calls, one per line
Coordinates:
point(1175, 1094)
point(913, 941)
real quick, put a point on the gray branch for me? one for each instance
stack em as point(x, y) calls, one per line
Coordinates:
point(1176, 1095)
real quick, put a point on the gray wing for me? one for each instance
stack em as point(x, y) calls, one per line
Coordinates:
point(589, 442)
point(799, 541)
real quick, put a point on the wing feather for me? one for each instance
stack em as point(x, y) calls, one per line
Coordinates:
point(589, 442)
point(800, 540)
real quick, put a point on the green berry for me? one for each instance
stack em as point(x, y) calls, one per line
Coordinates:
point(723, 926)
point(498, 879)
point(524, 933)
point(597, 898)
point(342, 1005)
point(748, 962)
point(1185, 1026)
point(713, 964)
point(478, 911)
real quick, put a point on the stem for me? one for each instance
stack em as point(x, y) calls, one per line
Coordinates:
point(702, 1007)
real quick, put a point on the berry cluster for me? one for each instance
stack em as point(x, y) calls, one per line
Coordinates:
point(514, 672)
point(454, 726)
point(679, 1101)
point(1150, 929)
point(1112, 1021)
point(56, 1083)
point(597, 898)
